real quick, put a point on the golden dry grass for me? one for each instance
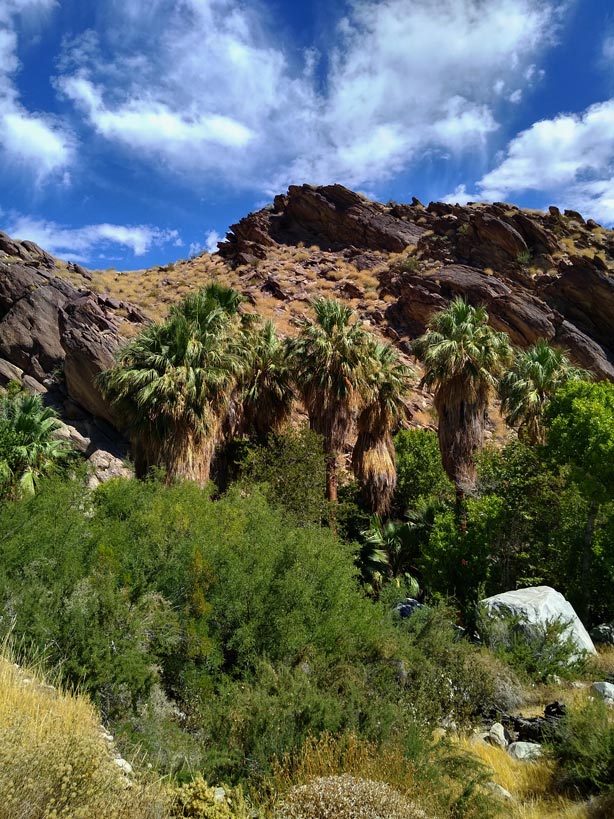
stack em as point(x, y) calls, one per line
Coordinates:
point(54, 760)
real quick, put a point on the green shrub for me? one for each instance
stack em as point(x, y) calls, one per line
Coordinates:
point(291, 468)
point(536, 651)
point(420, 474)
point(582, 742)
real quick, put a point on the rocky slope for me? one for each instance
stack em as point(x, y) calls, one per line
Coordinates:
point(540, 275)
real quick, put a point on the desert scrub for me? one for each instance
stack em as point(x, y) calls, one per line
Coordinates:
point(346, 797)
point(198, 800)
point(55, 762)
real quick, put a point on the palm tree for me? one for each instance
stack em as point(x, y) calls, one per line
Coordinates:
point(390, 552)
point(30, 448)
point(327, 360)
point(266, 395)
point(525, 389)
point(463, 359)
point(174, 383)
point(373, 457)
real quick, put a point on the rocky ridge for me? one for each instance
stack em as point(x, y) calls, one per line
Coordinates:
point(540, 275)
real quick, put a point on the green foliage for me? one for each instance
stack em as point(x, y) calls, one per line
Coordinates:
point(389, 553)
point(535, 651)
point(526, 388)
point(291, 468)
point(216, 634)
point(580, 422)
point(524, 257)
point(420, 474)
point(197, 800)
point(410, 264)
point(582, 742)
point(28, 446)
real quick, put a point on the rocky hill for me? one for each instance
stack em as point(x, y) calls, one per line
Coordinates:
point(540, 275)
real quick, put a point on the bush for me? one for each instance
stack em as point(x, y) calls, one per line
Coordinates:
point(346, 797)
point(54, 761)
point(291, 468)
point(534, 650)
point(583, 744)
point(197, 800)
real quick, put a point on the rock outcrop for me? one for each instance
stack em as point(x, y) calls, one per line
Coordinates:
point(55, 339)
point(540, 275)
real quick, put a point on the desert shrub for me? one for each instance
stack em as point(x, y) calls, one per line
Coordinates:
point(438, 777)
point(291, 469)
point(534, 650)
point(197, 800)
point(346, 797)
point(582, 742)
point(410, 264)
point(54, 761)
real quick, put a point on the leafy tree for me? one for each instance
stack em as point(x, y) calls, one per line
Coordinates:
point(580, 432)
point(525, 389)
point(328, 361)
point(420, 474)
point(174, 383)
point(463, 358)
point(290, 467)
point(29, 448)
point(373, 456)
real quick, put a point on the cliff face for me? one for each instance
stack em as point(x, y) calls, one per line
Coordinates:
point(540, 275)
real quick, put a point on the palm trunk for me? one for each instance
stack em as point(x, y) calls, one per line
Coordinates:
point(331, 477)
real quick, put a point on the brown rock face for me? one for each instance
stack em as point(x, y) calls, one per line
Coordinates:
point(332, 217)
point(520, 265)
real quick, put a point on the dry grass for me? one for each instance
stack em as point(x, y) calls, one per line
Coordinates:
point(530, 783)
point(54, 760)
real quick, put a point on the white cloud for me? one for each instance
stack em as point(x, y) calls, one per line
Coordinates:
point(608, 49)
point(212, 237)
point(31, 139)
point(460, 196)
point(81, 244)
point(219, 96)
point(570, 158)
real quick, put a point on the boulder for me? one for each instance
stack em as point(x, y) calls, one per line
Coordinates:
point(525, 751)
point(603, 634)
point(539, 606)
point(498, 736)
point(605, 690)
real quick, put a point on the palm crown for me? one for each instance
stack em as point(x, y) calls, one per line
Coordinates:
point(535, 375)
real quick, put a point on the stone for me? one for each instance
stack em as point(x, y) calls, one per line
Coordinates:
point(604, 689)
point(525, 751)
point(408, 607)
point(124, 766)
point(499, 791)
point(603, 634)
point(537, 606)
point(498, 736)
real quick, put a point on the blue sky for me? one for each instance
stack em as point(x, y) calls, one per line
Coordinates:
point(134, 132)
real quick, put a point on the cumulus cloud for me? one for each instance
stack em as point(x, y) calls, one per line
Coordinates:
point(219, 95)
point(212, 237)
point(34, 140)
point(570, 158)
point(82, 244)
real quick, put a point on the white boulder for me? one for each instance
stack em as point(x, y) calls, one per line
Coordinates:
point(605, 690)
point(525, 751)
point(539, 606)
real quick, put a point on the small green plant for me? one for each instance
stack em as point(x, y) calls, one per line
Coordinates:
point(524, 257)
point(410, 264)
